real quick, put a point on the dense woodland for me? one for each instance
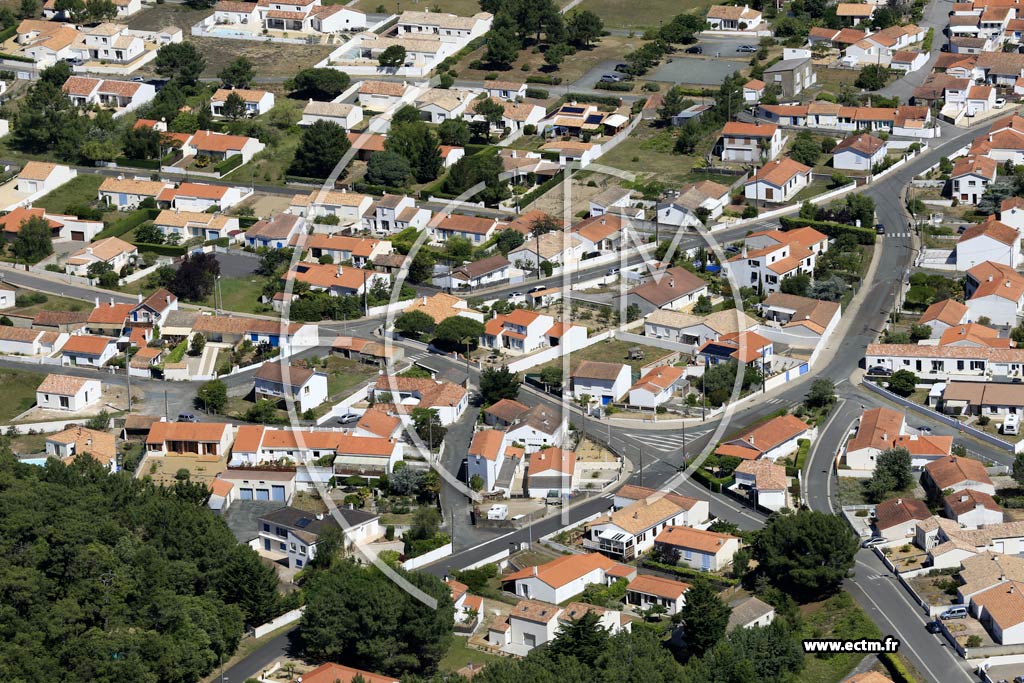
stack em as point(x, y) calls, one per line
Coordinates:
point(110, 579)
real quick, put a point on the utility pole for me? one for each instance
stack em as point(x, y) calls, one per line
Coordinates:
point(128, 374)
point(167, 415)
point(640, 450)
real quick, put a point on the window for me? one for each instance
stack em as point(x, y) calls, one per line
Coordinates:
point(281, 531)
point(283, 547)
point(266, 527)
point(298, 564)
point(293, 547)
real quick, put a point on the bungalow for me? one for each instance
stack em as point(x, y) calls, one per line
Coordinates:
point(750, 142)
point(859, 152)
point(704, 550)
point(908, 60)
point(276, 232)
point(437, 105)
point(551, 473)
point(573, 152)
point(777, 181)
point(506, 90)
point(121, 96)
point(764, 482)
point(394, 213)
point(660, 385)
point(599, 233)
point(882, 429)
point(896, 519)
point(22, 341)
point(480, 273)
point(255, 102)
point(108, 319)
point(515, 115)
point(992, 241)
point(1011, 212)
point(112, 250)
point(1001, 610)
point(733, 18)
point(127, 193)
point(942, 315)
point(202, 197)
point(125, 9)
point(556, 248)
point(349, 207)
point(853, 13)
point(504, 413)
point(972, 509)
point(673, 289)
point(476, 230)
point(485, 457)
point(377, 422)
point(995, 291)
point(521, 330)
point(62, 227)
point(67, 393)
point(37, 178)
point(235, 12)
point(60, 321)
point(450, 400)
point(442, 306)
point(777, 438)
point(77, 440)
point(538, 428)
point(257, 445)
point(380, 95)
point(947, 362)
point(348, 116)
point(220, 146)
point(360, 251)
point(187, 225)
point(198, 438)
point(88, 349)
point(648, 590)
point(746, 348)
point(803, 321)
point(530, 624)
point(626, 534)
point(749, 612)
point(336, 280)
point(694, 204)
point(957, 473)
point(995, 399)
point(278, 382)
point(563, 578)
point(693, 330)
point(971, 176)
point(366, 456)
point(337, 673)
point(753, 90)
point(603, 382)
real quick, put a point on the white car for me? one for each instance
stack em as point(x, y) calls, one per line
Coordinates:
point(873, 542)
point(1000, 102)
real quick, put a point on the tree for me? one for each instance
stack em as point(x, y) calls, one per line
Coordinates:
point(418, 144)
point(47, 121)
point(583, 638)
point(213, 396)
point(805, 149)
point(902, 383)
point(28, 9)
point(861, 208)
point(182, 62)
point(197, 345)
point(318, 84)
point(427, 425)
point(195, 277)
point(920, 332)
point(459, 332)
point(414, 324)
point(234, 107)
point(321, 147)
point(884, 17)
point(100, 422)
point(690, 135)
point(672, 104)
point(822, 393)
point(1018, 469)
point(356, 613)
point(556, 54)
point(497, 384)
point(237, 74)
point(584, 27)
point(454, 132)
point(57, 74)
point(407, 113)
point(392, 57)
point(34, 241)
point(703, 306)
point(200, 4)
point(508, 240)
point(551, 377)
point(798, 284)
point(388, 169)
point(147, 233)
point(470, 171)
point(502, 48)
point(493, 112)
point(892, 473)
point(98, 269)
point(872, 77)
point(704, 617)
point(807, 553)
point(141, 143)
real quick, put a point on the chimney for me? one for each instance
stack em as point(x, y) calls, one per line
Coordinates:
point(964, 497)
point(341, 269)
point(140, 297)
point(535, 570)
point(751, 439)
point(899, 501)
point(97, 303)
point(636, 515)
point(111, 302)
point(1011, 589)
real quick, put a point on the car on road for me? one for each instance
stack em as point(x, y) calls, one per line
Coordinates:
point(538, 288)
point(872, 542)
point(962, 229)
point(933, 627)
point(1000, 102)
point(695, 50)
point(514, 295)
point(880, 229)
point(613, 271)
point(187, 417)
point(348, 417)
point(954, 612)
point(138, 79)
point(612, 78)
point(879, 371)
point(746, 48)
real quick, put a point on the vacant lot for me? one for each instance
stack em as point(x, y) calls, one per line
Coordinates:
point(609, 351)
point(272, 59)
point(158, 16)
point(82, 189)
point(621, 14)
point(52, 303)
point(695, 71)
point(648, 154)
point(461, 7)
point(20, 391)
point(344, 375)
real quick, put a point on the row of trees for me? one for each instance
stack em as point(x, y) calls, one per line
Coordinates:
point(519, 23)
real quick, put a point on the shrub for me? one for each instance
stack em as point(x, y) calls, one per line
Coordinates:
point(984, 420)
point(537, 93)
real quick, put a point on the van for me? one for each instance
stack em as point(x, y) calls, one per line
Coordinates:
point(955, 612)
point(1011, 424)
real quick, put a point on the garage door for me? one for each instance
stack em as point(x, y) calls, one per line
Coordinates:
point(277, 493)
point(244, 494)
point(262, 494)
point(77, 236)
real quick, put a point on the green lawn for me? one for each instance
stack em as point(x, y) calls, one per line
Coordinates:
point(460, 654)
point(619, 14)
point(813, 190)
point(21, 392)
point(837, 617)
point(242, 295)
point(270, 165)
point(344, 375)
point(81, 189)
point(53, 303)
point(832, 80)
point(648, 154)
point(611, 351)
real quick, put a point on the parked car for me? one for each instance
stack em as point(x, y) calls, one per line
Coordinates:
point(962, 229)
point(695, 50)
point(538, 288)
point(1000, 102)
point(613, 271)
point(879, 370)
point(954, 612)
point(933, 627)
point(348, 417)
point(872, 542)
point(747, 48)
point(612, 78)
point(880, 229)
point(515, 295)
point(187, 417)
point(622, 68)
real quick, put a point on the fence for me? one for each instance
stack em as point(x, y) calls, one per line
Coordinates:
point(428, 558)
point(343, 407)
point(786, 210)
point(948, 420)
point(277, 622)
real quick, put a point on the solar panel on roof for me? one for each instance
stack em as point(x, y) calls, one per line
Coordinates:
point(303, 522)
point(594, 118)
point(573, 110)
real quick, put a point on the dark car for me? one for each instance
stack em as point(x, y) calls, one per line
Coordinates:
point(933, 627)
point(879, 371)
point(962, 229)
point(187, 417)
point(880, 229)
point(695, 50)
point(622, 68)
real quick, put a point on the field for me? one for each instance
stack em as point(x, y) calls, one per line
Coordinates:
point(460, 654)
point(79, 190)
point(837, 617)
point(270, 165)
point(611, 351)
point(344, 375)
point(832, 80)
point(461, 7)
point(619, 14)
point(20, 390)
point(238, 294)
point(648, 153)
point(53, 303)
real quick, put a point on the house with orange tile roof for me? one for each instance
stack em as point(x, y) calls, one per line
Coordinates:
point(627, 533)
point(473, 228)
point(222, 493)
point(62, 227)
point(970, 177)
point(260, 445)
point(154, 309)
point(24, 341)
point(450, 400)
point(994, 399)
point(991, 240)
point(672, 289)
point(485, 457)
point(957, 473)
point(551, 473)
point(753, 90)
point(563, 578)
point(272, 333)
point(113, 251)
point(933, 362)
point(942, 315)
point(379, 422)
point(89, 349)
point(777, 181)
point(359, 250)
point(366, 456)
point(442, 306)
point(336, 280)
point(972, 509)
point(121, 96)
point(394, 213)
point(220, 146)
point(336, 673)
point(882, 429)
point(349, 207)
point(485, 271)
point(1001, 610)
point(696, 548)
point(695, 512)
point(733, 18)
point(1011, 212)
point(750, 142)
point(195, 438)
point(776, 438)
point(532, 623)
point(995, 291)
point(897, 518)
point(77, 440)
point(859, 153)
point(749, 349)
point(504, 412)
point(658, 386)
point(520, 331)
point(557, 248)
point(125, 9)
point(769, 256)
point(186, 225)
point(763, 482)
point(649, 590)
point(256, 102)
point(202, 197)
point(127, 193)
point(68, 393)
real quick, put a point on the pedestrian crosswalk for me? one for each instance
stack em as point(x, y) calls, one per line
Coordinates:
point(417, 356)
point(774, 401)
point(897, 234)
point(665, 442)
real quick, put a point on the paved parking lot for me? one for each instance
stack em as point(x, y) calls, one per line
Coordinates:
point(237, 265)
point(695, 71)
